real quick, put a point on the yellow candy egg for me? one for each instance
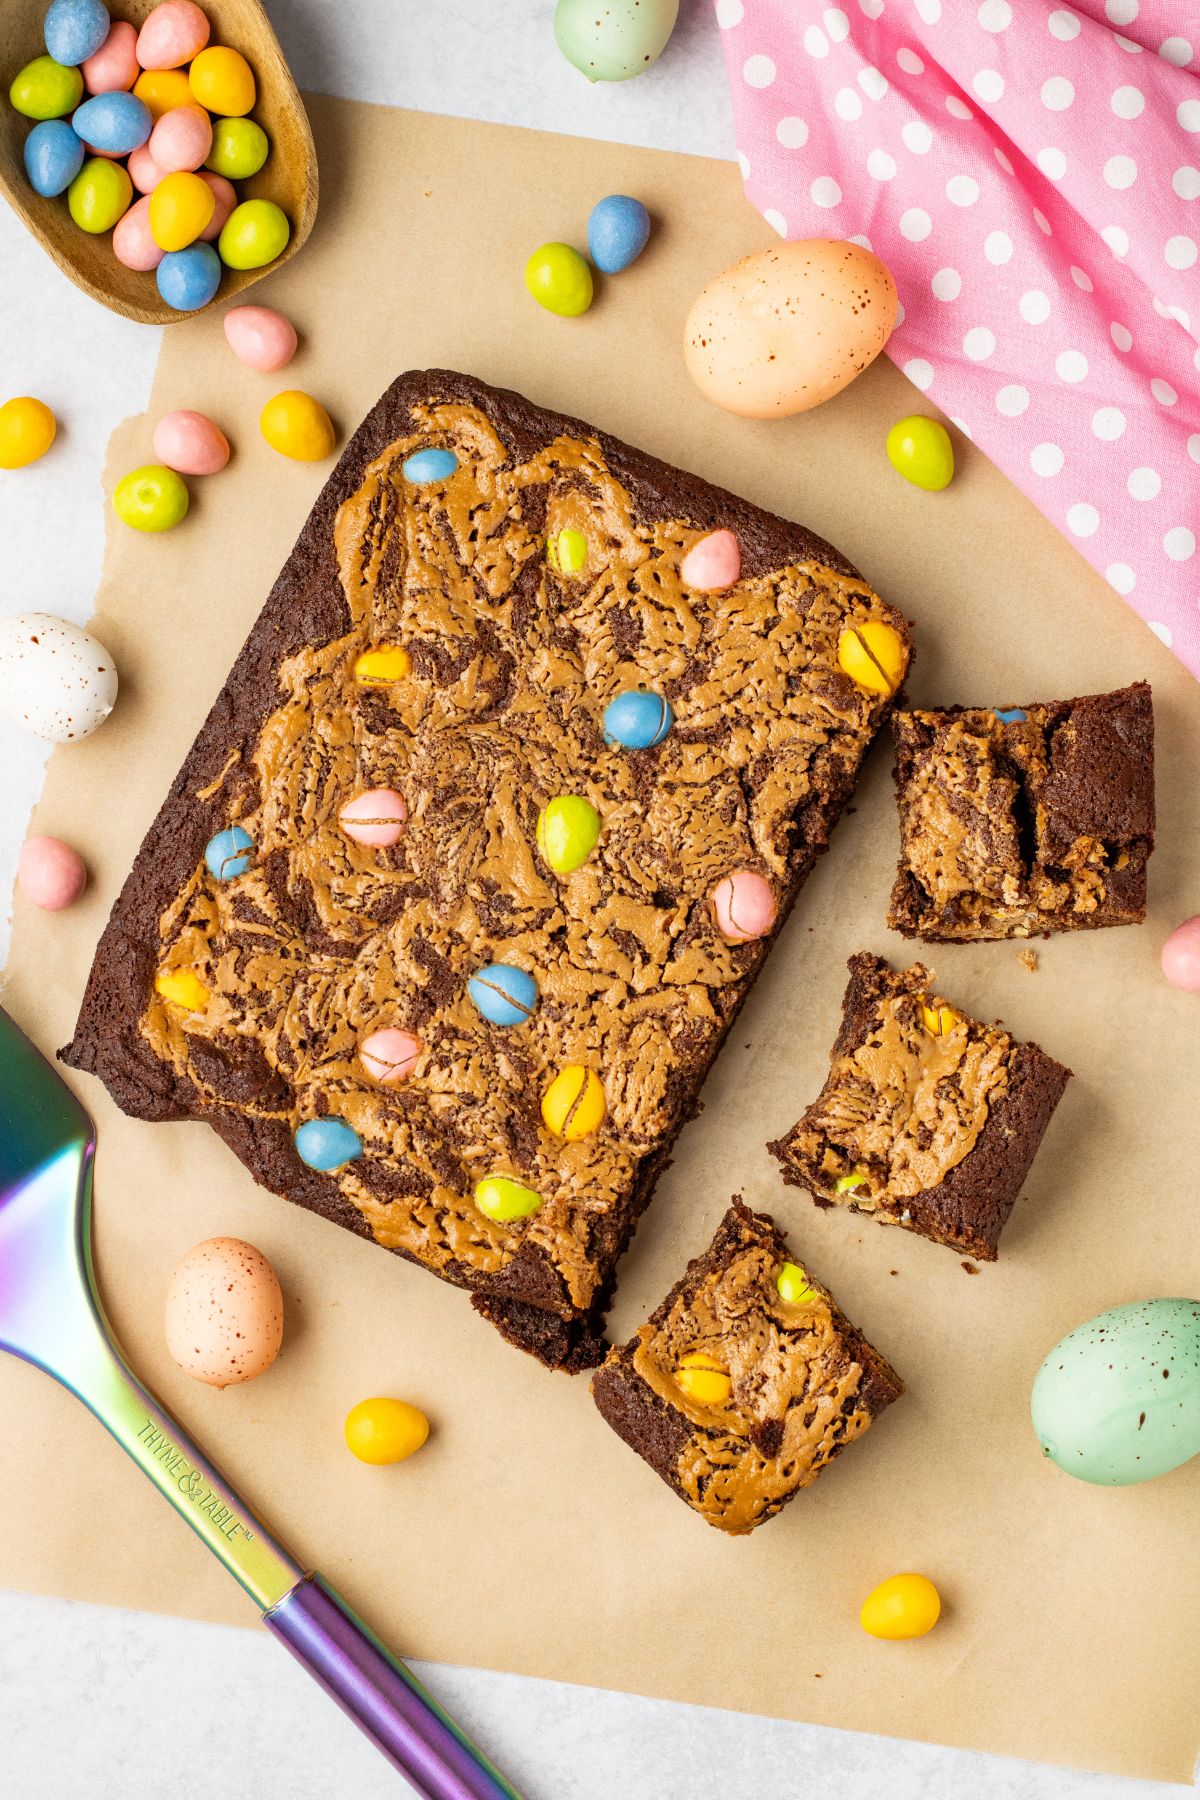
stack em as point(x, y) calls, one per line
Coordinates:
point(382, 666)
point(573, 1106)
point(938, 1021)
point(873, 656)
point(566, 552)
point(793, 1285)
point(920, 449)
point(182, 987)
point(222, 81)
point(703, 1379)
point(501, 1198)
point(385, 1431)
point(26, 431)
point(298, 426)
point(162, 90)
point(903, 1606)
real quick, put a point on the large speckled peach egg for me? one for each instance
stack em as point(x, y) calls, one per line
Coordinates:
point(789, 327)
point(224, 1313)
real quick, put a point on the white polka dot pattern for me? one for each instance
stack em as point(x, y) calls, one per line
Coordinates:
point(1030, 172)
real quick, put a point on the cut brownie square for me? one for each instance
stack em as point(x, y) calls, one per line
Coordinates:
point(1028, 819)
point(485, 839)
point(746, 1381)
point(927, 1119)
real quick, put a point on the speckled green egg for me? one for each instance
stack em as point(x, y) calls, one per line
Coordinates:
point(615, 41)
point(1118, 1400)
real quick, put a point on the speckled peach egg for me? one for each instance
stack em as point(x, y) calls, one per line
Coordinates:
point(789, 327)
point(224, 1313)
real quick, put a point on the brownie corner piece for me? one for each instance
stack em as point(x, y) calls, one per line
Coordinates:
point(928, 1118)
point(746, 1381)
point(1024, 820)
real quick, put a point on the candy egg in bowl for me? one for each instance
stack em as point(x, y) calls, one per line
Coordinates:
point(38, 96)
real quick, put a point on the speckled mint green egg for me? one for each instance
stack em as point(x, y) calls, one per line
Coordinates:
point(615, 41)
point(1118, 1400)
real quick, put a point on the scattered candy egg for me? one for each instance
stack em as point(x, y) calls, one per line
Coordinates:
point(222, 81)
point(1181, 956)
point(224, 1312)
point(144, 172)
point(174, 32)
point(239, 149)
point(429, 465)
point(503, 994)
point(702, 1379)
point(163, 89)
point(789, 327)
point(567, 829)
point(637, 719)
point(298, 426)
point(115, 64)
point(559, 279)
point(383, 666)
point(616, 41)
point(53, 156)
point(567, 552)
point(260, 337)
point(939, 1021)
point(793, 1286)
point(56, 680)
point(188, 279)
point(99, 194)
point(27, 430)
point(744, 906)
point(132, 239)
point(153, 498)
point(390, 1055)
point(873, 655)
point(1013, 715)
point(190, 442)
point(75, 29)
point(254, 234)
point(574, 1106)
point(920, 449)
point(501, 1198)
point(180, 208)
point(45, 89)
point(903, 1606)
point(224, 200)
point(181, 138)
point(1117, 1401)
point(182, 988)
point(50, 873)
point(114, 123)
point(713, 563)
point(618, 232)
point(327, 1144)
point(385, 1431)
point(375, 817)
point(229, 853)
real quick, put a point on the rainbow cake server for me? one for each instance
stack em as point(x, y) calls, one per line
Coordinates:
point(50, 1316)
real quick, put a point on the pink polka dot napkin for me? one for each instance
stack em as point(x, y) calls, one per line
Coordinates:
point(1030, 173)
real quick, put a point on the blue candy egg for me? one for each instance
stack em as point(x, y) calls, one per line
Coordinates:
point(229, 853)
point(53, 157)
point(618, 231)
point(75, 30)
point(637, 720)
point(1007, 718)
point(429, 465)
point(189, 278)
point(116, 122)
point(504, 995)
point(327, 1143)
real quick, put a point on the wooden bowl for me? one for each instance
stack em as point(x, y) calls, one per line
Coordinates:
point(289, 176)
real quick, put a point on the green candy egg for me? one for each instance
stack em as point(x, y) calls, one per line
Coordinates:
point(920, 449)
point(153, 498)
point(45, 89)
point(559, 279)
point(239, 149)
point(615, 41)
point(567, 830)
point(254, 234)
point(99, 195)
point(1118, 1400)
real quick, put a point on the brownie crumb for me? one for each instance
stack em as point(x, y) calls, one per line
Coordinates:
point(1028, 959)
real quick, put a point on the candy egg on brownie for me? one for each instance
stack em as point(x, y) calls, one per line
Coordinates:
point(638, 719)
point(389, 1056)
point(229, 853)
point(744, 906)
point(567, 830)
point(574, 1106)
point(327, 1144)
point(503, 994)
point(56, 679)
point(713, 563)
point(429, 465)
point(376, 817)
point(504, 1200)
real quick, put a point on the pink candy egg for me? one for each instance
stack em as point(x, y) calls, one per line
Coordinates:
point(181, 139)
point(1181, 956)
point(712, 564)
point(376, 817)
point(173, 33)
point(190, 442)
point(113, 67)
point(390, 1056)
point(744, 906)
point(50, 873)
point(260, 338)
point(144, 172)
point(132, 242)
point(225, 195)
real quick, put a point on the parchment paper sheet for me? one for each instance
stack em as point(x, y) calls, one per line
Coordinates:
point(526, 1536)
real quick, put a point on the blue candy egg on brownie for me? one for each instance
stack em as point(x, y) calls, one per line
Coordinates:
point(429, 465)
point(503, 994)
point(637, 719)
point(229, 853)
point(327, 1144)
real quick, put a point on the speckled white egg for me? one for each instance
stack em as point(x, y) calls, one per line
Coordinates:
point(224, 1313)
point(56, 679)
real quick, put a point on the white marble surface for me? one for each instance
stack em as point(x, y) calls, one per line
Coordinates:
point(121, 1706)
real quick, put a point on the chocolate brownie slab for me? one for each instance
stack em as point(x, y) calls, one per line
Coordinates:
point(439, 950)
point(927, 1119)
point(747, 1380)
point(1026, 820)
